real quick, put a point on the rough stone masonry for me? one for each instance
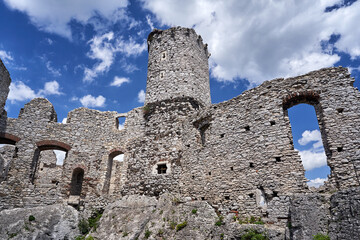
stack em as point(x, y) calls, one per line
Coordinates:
point(236, 156)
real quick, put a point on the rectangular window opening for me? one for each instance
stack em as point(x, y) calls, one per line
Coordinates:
point(162, 169)
point(120, 123)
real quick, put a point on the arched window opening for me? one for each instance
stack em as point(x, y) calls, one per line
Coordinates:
point(120, 122)
point(76, 182)
point(49, 167)
point(7, 153)
point(307, 139)
point(114, 163)
point(46, 166)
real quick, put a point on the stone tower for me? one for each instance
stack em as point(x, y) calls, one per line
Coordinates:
point(178, 66)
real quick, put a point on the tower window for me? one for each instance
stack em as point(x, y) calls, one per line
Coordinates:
point(163, 56)
point(161, 169)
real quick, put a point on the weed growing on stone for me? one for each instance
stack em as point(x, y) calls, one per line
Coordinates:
point(321, 236)
point(194, 211)
point(125, 234)
point(94, 219)
point(221, 236)
point(147, 233)
point(181, 226)
point(160, 232)
point(253, 235)
point(31, 218)
point(173, 225)
point(219, 221)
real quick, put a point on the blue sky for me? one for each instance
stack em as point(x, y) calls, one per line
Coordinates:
point(94, 54)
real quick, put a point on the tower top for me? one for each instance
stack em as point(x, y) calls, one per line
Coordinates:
point(178, 66)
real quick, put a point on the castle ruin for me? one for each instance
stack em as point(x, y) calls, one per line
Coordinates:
point(237, 155)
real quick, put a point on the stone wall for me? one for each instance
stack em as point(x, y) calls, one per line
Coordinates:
point(237, 155)
point(178, 66)
point(4, 85)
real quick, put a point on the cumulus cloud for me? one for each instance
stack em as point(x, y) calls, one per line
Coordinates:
point(64, 120)
point(317, 182)
point(60, 156)
point(315, 156)
point(141, 96)
point(54, 16)
point(118, 81)
point(247, 40)
point(19, 91)
point(5, 56)
point(103, 48)
point(51, 88)
point(91, 101)
point(311, 136)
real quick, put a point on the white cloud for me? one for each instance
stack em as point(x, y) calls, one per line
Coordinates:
point(55, 72)
point(5, 56)
point(49, 41)
point(54, 16)
point(141, 96)
point(118, 81)
point(90, 101)
point(247, 40)
point(100, 49)
point(311, 136)
point(51, 88)
point(317, 182)
point(104, 48)
point(20, 92)
point(64, 121)
point(313, 158)
point(60, 156)
point(119, 158)
point(149, 22)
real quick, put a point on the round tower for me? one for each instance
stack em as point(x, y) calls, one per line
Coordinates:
point(178, 66)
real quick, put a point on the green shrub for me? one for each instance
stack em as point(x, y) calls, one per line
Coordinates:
point(147, 233)
point(83, 226)
point(89, 238)
point(181, 226)
point(80, 237)
point(31, 218)
point(254, 235)
point(321, 236)
point(194, 211)
point(259, 221)
point(94, 219)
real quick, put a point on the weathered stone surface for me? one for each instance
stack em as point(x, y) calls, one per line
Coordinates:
point(345, 215)
point(133, 217)
point(309, 215)
point(235, 156)
point(50, 222)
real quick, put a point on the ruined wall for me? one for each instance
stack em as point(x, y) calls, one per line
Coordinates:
point(237, 155)
point(4, 85)
point(178, 66)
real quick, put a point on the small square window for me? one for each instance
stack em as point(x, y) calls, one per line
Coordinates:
point(162, 169)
